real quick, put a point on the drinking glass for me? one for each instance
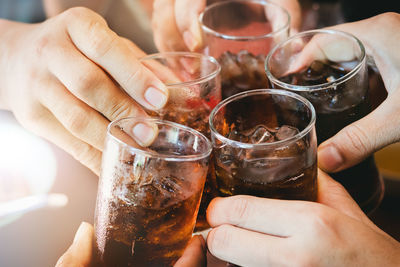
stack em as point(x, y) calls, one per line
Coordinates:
point(328, 67)
point(194, 85)
point(148, 197)
point(265, 145)
point(240, 34)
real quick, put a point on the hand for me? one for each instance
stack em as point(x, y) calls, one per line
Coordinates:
point(80, 252)
point(67, 78)
point(382, 126)
point(251, 231)
point(176, 23)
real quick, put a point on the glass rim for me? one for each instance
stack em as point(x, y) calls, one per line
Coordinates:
point(202, 79)
point(322, 86)
point(207, 29)
point(166, 157)
point(244, 94)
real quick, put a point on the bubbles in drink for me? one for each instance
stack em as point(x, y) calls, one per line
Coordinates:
point(151, 211)
point(279, 172)
point(242, 71)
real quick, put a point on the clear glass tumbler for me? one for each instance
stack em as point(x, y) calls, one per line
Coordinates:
point(328, 67)
point(265, 145)
point(148, 197)
point(240, 33)
point(194, 85)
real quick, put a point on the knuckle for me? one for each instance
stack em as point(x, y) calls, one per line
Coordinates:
point(84, 153)
point(88, 80)
point(42, 45)
point(78, 12)
point(76, 121)
point(137, 77)
point(121, 109)
point(388, 18)
point(240, 210)
point(359, 139)
point(100, 39)
point(321, 220)
point(219, 239)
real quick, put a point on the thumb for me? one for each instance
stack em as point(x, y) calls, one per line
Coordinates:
point(187, 19)
point(195, 253)
point(80, 252)
point(360, 139)
point(332, 194)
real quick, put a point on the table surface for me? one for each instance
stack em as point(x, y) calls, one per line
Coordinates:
point(38, 238)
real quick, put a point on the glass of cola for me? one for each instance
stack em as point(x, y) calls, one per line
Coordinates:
point(265, 145)
point(148, 197)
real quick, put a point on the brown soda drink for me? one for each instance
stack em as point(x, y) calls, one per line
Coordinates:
point(195, 117)
point(194, 85)
point(362, 180)
point(264, 145)
point(239, 34)
point(329, 68)
point(278, 174)
point(148, 197)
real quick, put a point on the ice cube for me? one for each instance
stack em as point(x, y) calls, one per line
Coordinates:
point(285, 132)
point(261, 135)
point(229, 66)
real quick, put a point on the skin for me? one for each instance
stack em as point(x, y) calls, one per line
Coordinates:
point(251, 231)
point(76, 58)
point(382, 126)
point(79, 254)
point(176, 26)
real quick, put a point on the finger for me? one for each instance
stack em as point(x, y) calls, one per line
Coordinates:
point(334, 195)
point(90, 34)
point(51, 129)
point(360, 139)
point(248, 248)
point(322, 47)
point(187, 19)
point(271, 216)
point(91, 84)
point(294, 9)
point(194, 255)
point(167, 36)
point(80, 252)
point(78, 118)
point(380, 43)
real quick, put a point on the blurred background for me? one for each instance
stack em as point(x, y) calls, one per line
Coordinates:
point(30, 165)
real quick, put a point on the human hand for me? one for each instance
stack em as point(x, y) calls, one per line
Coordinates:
point(80, 252)
point(68, 77)
point(176, 24)
point(382, 126)
point(251, 231)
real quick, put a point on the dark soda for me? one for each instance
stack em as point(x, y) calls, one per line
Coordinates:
point(288, 172)
point(336, 108)
point(241, 72)
point(147, 216)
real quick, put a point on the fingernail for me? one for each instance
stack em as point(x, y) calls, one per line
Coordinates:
point(190, 41)
point(155, 97)
point(329, 158)
point(144, 134)
point(81, 232)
